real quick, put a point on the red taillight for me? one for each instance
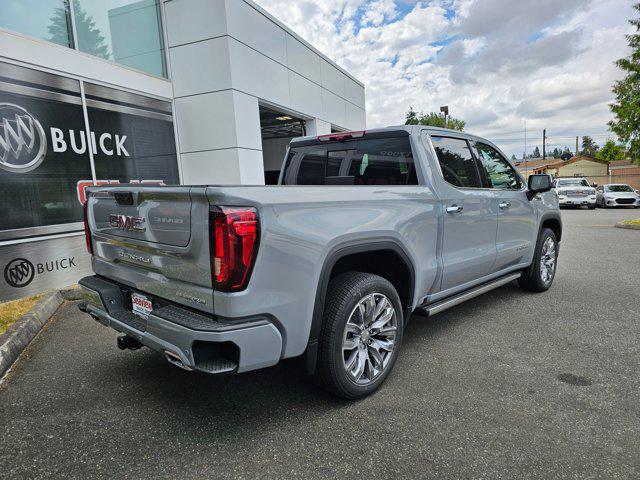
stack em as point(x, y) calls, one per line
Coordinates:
point(87, 232)
point(234, 244)
point(340, 136)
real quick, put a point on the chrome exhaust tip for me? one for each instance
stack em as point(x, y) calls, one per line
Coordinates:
point(174, 358)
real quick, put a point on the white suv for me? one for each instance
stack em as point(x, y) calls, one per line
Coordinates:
point(575, 192)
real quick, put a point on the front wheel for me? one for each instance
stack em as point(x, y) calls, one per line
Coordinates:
point(361, 334)
point(540, 274)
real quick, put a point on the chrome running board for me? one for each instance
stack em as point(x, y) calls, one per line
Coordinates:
point(449, 302)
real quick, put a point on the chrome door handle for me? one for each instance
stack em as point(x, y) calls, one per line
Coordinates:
point(454, 209)
point(504, 205)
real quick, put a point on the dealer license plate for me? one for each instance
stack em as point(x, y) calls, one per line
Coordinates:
point(141, 305)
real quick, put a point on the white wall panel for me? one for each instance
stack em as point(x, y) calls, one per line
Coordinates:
point(190, 21)
point(247, 121)
point(318, 127)
point(206, 122)
point(303, 60)
point(305, 95)
point(251, 27)
point(332, 78)
point(251, 167)
point(253, 73)
point(212, 167)
point(355, 117)
point(354, 92)
point(201, 67)
point(333, 108)
point(233, 166)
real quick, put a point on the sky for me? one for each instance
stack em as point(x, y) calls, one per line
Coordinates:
point(497, 64)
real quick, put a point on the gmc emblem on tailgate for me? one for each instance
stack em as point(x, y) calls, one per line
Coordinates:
point(126, 222)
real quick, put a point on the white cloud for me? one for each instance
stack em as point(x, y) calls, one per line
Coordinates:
point(496, 63)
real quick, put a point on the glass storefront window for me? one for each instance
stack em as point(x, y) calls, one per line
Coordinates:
point(44, 19)
point(127, 32)
point(46, 150)
point(134, 137)
point(40, 164)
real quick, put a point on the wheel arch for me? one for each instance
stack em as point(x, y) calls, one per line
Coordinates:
point(356, 256)
point(553, 221)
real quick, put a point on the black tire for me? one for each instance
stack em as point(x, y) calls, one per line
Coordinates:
point(531, 278)
point(344, 294)
point(592, 207)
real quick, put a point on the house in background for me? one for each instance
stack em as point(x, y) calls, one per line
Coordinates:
point(594, 170)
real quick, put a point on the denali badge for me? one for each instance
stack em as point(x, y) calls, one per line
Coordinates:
point(23, 144)
point(126, 222)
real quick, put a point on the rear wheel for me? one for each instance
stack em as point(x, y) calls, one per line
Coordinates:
point(540, 274)
point(361, 334)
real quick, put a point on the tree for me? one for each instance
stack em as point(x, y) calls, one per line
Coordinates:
point(626, 108)
point(611, 152)
point(536, 153)
point(589, 147)
point(89, 37)
point(433, 120)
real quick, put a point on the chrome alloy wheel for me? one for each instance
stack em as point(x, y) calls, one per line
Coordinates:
point(548, 261)
point(369, 338)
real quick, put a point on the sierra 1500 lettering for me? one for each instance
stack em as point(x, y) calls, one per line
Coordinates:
point(363, 229)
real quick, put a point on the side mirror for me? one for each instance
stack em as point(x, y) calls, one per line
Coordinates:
point(538, 184)
point(594, 185)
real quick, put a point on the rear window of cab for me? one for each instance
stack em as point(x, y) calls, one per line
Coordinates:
point(363, 161)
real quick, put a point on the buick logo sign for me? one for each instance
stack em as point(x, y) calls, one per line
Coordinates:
point(19, 272)
point(23, 144)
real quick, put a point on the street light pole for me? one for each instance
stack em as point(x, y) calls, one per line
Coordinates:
point(445, 110)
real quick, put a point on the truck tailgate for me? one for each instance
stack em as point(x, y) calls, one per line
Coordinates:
point(154, 239)
point(157, 215)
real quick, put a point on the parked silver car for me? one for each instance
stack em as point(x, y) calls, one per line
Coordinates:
point(617, 195)
point(575, 192)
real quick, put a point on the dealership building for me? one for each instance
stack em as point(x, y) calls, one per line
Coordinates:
point(150, 91)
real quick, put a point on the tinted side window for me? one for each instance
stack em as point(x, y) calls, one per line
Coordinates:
point(499, 173)
point(456, 162)
point(305, 166)
point(369, 161)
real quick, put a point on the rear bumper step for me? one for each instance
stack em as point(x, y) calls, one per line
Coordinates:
point(208, 346)
point(449, 302)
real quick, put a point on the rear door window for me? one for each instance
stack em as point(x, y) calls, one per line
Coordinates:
point(366, 161)
point(458, 165)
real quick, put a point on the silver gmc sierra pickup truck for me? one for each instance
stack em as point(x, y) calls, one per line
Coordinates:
point(363, 229)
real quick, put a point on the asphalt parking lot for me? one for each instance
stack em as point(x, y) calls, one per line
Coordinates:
point(510, 385)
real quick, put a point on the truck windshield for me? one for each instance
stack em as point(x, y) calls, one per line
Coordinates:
point(619, 188)
point(363, 161)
